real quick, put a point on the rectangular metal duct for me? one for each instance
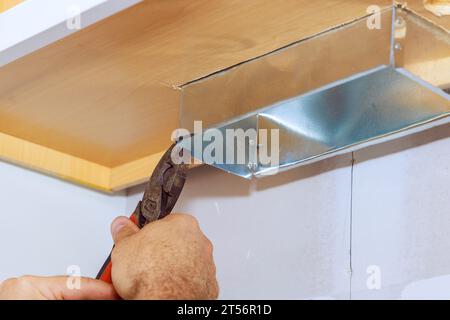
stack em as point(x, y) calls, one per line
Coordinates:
point(344, 89)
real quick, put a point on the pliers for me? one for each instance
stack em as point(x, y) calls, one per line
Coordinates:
point(160, 196)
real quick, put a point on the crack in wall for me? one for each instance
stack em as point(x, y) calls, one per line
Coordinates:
point(351, 225)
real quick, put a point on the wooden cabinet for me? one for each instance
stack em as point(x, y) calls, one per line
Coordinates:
point(98, 107)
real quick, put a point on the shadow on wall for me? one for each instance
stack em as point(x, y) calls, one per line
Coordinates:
point(402, 144)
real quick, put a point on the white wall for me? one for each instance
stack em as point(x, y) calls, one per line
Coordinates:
point(401, 217)
point(47, 225)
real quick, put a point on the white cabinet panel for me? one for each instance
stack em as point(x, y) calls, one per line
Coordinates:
point(33, 24)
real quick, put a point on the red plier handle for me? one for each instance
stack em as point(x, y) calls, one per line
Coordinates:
point(105, 272)
point(161, 194)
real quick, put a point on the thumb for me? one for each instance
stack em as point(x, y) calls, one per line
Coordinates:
point(121, 228)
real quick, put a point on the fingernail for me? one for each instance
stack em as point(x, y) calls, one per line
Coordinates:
point(118, 224)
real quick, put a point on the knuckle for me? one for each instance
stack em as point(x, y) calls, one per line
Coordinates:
point(186, 219)
point(9, 282)
point(21, 282)
point(25, 279)
point(208, 245)
point(193, 222)
point(189, 219)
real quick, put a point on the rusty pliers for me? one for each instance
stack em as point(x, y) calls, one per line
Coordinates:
point(160, 196)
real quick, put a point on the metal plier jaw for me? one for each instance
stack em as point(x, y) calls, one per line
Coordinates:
point(163, 189)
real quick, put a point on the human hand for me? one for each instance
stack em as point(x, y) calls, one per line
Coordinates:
point(168, 259)
point(55, 288)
